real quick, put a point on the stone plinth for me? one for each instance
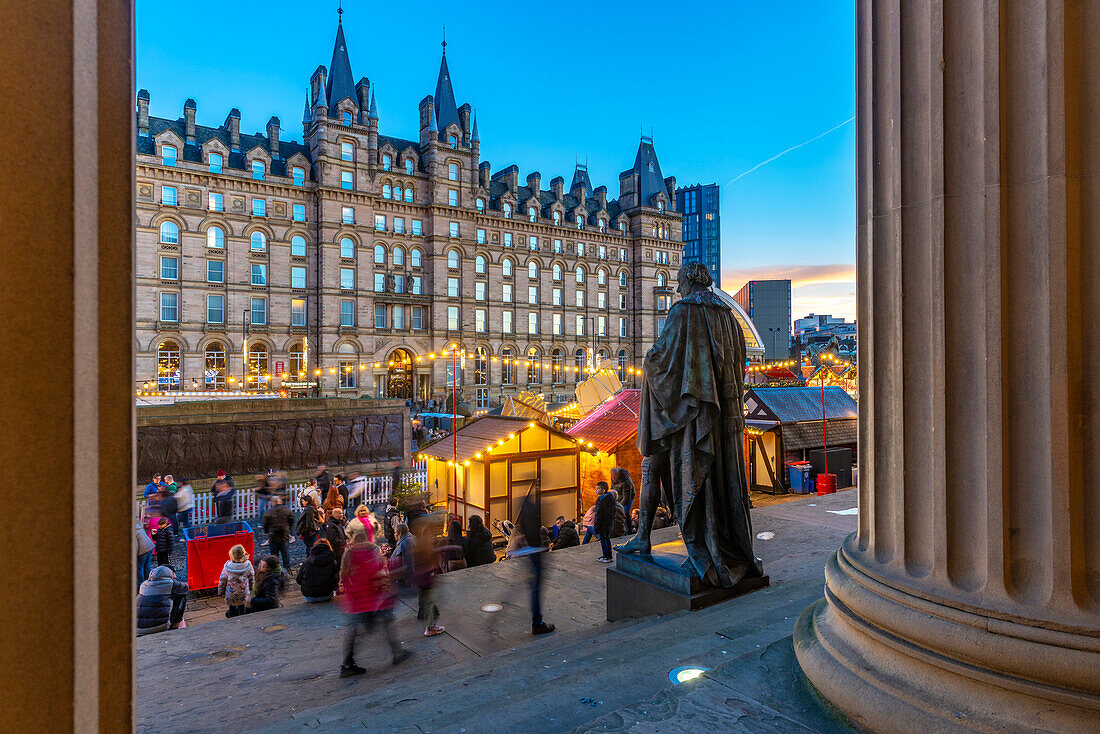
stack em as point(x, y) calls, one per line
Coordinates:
point(659, 583)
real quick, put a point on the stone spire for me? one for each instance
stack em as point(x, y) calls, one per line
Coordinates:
point(433, 126)
point(340, 84)
point(373, 114)
point(474, 137)
point(446, 111)
point(307, 115)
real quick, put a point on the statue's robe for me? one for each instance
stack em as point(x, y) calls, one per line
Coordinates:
point(692, 412)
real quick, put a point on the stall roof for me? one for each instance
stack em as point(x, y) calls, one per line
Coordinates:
point(612, 423)
point(476, 435)
point(797, 404)
point(808, 435)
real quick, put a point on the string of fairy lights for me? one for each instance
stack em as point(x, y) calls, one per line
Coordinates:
point(500, 444)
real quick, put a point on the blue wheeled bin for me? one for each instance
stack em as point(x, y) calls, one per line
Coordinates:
point(800, 477)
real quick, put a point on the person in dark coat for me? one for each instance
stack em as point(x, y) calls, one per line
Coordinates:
point(618, 525)
point(567, 536)
point(342, 487)
point(164, 541)
point(270, 583)
point(161, 602)
point(333, 532)
point(323, 480)
point(479, 543)
point(277, 523)
point(623, 485)
point(309, 524)
point(392, 513)
point(223, 498)
point(454, 552)
point(530, 526)
point(319, 574)
point(605, 519)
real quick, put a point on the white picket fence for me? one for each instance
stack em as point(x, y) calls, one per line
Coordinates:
point(246, 503)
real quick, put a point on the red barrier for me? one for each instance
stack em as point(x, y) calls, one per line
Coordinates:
point(208, 550)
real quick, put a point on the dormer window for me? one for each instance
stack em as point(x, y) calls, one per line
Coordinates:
point(258, 170)
point(622, 226)
point(480, 203)
point(507, 209)
point(298, 174)
point(557, 218)
point(387, 163)
point(580, 222)
point(661, 207)
point(532, 213)
point(347, 121)
point(603, 225)
point(408, 166)
point(168, 155)
point(453, 142)
point(215, 160)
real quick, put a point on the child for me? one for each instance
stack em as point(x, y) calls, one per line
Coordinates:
point(164, 540)
point(270, 583)
point(236, 580)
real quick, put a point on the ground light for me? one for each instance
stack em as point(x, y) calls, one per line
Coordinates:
point(683, 675)
point(491, 607)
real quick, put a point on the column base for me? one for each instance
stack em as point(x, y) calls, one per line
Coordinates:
point(894, 662)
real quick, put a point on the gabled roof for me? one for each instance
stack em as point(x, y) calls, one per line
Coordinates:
point(797, 404)
point(648, 171)
point(340, 85)
point(474, 437)
point(580, 176)
point(203, 134)
point(612, 424)
point(446, 111)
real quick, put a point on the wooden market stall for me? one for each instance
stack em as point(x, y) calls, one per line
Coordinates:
point(609, 433)
point(493, 462)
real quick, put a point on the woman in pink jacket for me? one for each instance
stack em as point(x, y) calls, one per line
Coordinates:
point(367, 600)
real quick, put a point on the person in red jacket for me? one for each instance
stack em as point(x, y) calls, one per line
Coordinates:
point(367, 600)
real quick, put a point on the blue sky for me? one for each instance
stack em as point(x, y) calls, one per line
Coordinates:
point(723, 86)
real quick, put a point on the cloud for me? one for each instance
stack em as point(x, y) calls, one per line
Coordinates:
point(799, 275)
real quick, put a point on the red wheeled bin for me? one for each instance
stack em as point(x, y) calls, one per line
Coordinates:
point(208, 550)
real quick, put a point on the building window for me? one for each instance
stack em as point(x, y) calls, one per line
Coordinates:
point(387, 192)
point(557, 218)
point(379, 222)
point(379, 316)
point(258, 170)
point(397, 192)
point(601, 277)
point(603, 228)
point(259, 274)
point(557, 296)
point(298, 176)
point(399, 284)
point(258, 310)
point(415, 258)
point(533, 270)
point(452, 197)
point(579, 363)
point(399, 225)
point(452, 287)
point(453, 142)
point(398, 257)
point(215, 202)
point(556, 270)
point(168, 195)
point(299, 212)
point(258, 242)
point(347, 180)
point(622, 254)
point(387, 162)
point(508, 366)
point(601, 326)
point(580, 274)
point(480, 265)
point(507, 239)
point(347, 248)
point(409, 166)
point(506, 208)
point(622, 226)
point(601, 300)
point(506, 267)
point(452, 318)
point(580, 299)
point(603, 252)
point(418, 227)
point(506, 322)
point(168, 366)
point(259, 207)
point(215, 309)
point(379, 282)
point(169, 233)
point(532, 214)
point(297, 277)
point(347, 313)
point(480, 289)
point(534, 366)
point(580, 222)
point(298, 246)
point(622, 301)
point(169, 268)
point(533, 295)
point(580, 326)
point(452, 259)
point(480, 204)
point(660, 280)
point(622, 326)
point(580, 249)
point(532, 243)
point(399, 317)
point(408, 195)
point(557, 247)
point(622, 279)
point(506, 293)
point(532, 322)
point(479, 320)
point(346, 117)
point(557, 324)
point(418, 317)
point(661, 207)
point(660, 325)
point(349, 376)
point(379, 255)
point(257, 364)
point(214, 366)
point(169, 307)
point(215, 271)
point(453, 229)
point(347, 279)
point(215, 161)
point(557, 366)
point(347, 151)
point(168, 155)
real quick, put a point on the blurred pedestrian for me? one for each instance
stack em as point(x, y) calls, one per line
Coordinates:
point(185, 504)
point(236, 580)
point(530, 526)
point(618, 525)
point(145, 548)
point(401, 560)
point(223, 498)
point(623, 485)
point(277, 524)
point(425, 568)
point(270, 583)
point(342, 489)
point(368, 601)
point(589, 522)
point(334, 532)
point(392, 516)
point(309, 523)
point(323, 480)
point(264, 492)
point(319, 573)
point(169, 507)
point(454, 552)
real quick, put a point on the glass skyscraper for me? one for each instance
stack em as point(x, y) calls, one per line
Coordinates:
point(702, 234)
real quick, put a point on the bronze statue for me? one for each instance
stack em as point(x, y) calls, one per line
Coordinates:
point(690, 430)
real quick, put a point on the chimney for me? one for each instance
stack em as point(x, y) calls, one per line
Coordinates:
point(189, 121)
point(362, 92)
point(143, 112)
point(273, 137)
point(483, 174)
point(534, 181)
point(464, 119)
point(670, 186)
point(601, 196)
point(426, 112)
point(578, 192)
point(316, 84)
point(557, 185)
point(510, 177)
point(232, 125)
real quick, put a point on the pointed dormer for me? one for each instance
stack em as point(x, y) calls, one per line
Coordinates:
point(341, 84)
point(446, 111)
point(580, 178)
point(648, 172)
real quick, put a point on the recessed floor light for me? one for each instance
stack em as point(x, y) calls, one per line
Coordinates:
point(491, 607)
point(682, 675)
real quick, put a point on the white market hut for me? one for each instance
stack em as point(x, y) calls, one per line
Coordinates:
point(492, 463)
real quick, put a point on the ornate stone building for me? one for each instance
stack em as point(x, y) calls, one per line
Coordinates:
point(353, 257)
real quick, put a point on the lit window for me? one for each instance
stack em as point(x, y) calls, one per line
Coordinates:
point(215, 238)
point(215, 271)
point(259, 274)
point(508, 368)
point(169, 233)
point(452, 197)
point(347, 247)
point(452, 318)
point(298, 246)
point(258, 242)
point(379, 255)
point(169, 307)
point(299, 212)
point(298, 176)
point(347, 279)
point(215, 309)
point(215, 162)
point(169, 268)
point(415, 258)
point(347, 151)
point(346, 181)
point(480, 264)
point(215, 202)
point(297, 276)
point(387, 162)
point(168, 195)
point(408, 166)
point(297, 318)
point(452, 259)
point(379, 222)
point(480, 203)
point(258, 170)
point(259, 207)
point(398, 256)
point(453, 229)
point(387, 192)
point(168, 155)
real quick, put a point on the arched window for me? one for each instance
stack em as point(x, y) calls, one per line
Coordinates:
point(506, 267)
point(660, 280)
point(507, 209)
point(601, 355)
point(408, 166)
point(379, 255)
point(622, 279)
point(533, 270)
point(169, 233)
point(601, 277)
point(580, 273)
point(347, 247)
point(258, 241)
point(398, 257)
point(532, 213)
point(508, 366)
point(534, 367)
point(481, 366)
point(215, 237)
point(258, 368)
point(480, 203)
point(557, 366)
point(557, 271)
point(213, 374)
point(661, 207)
point(408, 195)
point(298, 245)
point(603, 225)
point(387, 162)
point(452, 259)
point(398, 193)
point(346, 118)
point(415, 258)
point(622, 364)
point(453, 141)
point(346, 365)
point(579, 364)
point(299, 356)
point(480, 265)
point(387, 192)
point(168, 366)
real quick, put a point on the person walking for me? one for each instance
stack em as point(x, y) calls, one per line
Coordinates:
point(368, 601)
point(236, 580)
point(392, 516)
point(319, 573)
point(309, 523)
point(479, 543)
point(145, 548)
point(277, 524)
point(623, 485)
point(264, 493)
point(530, 526)
point(425, 568)
point(270, 583)
point(334, 532)
point(605, 518)
point(185, 504)
point(164, 541)
point(223, 498)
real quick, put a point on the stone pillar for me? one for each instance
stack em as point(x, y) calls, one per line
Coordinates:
point(969, 597)
point(66, 414)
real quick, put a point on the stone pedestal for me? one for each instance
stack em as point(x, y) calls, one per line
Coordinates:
point(969, 597)
point(658, 583)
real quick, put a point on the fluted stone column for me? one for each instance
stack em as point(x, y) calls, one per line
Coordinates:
point(969, 597)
